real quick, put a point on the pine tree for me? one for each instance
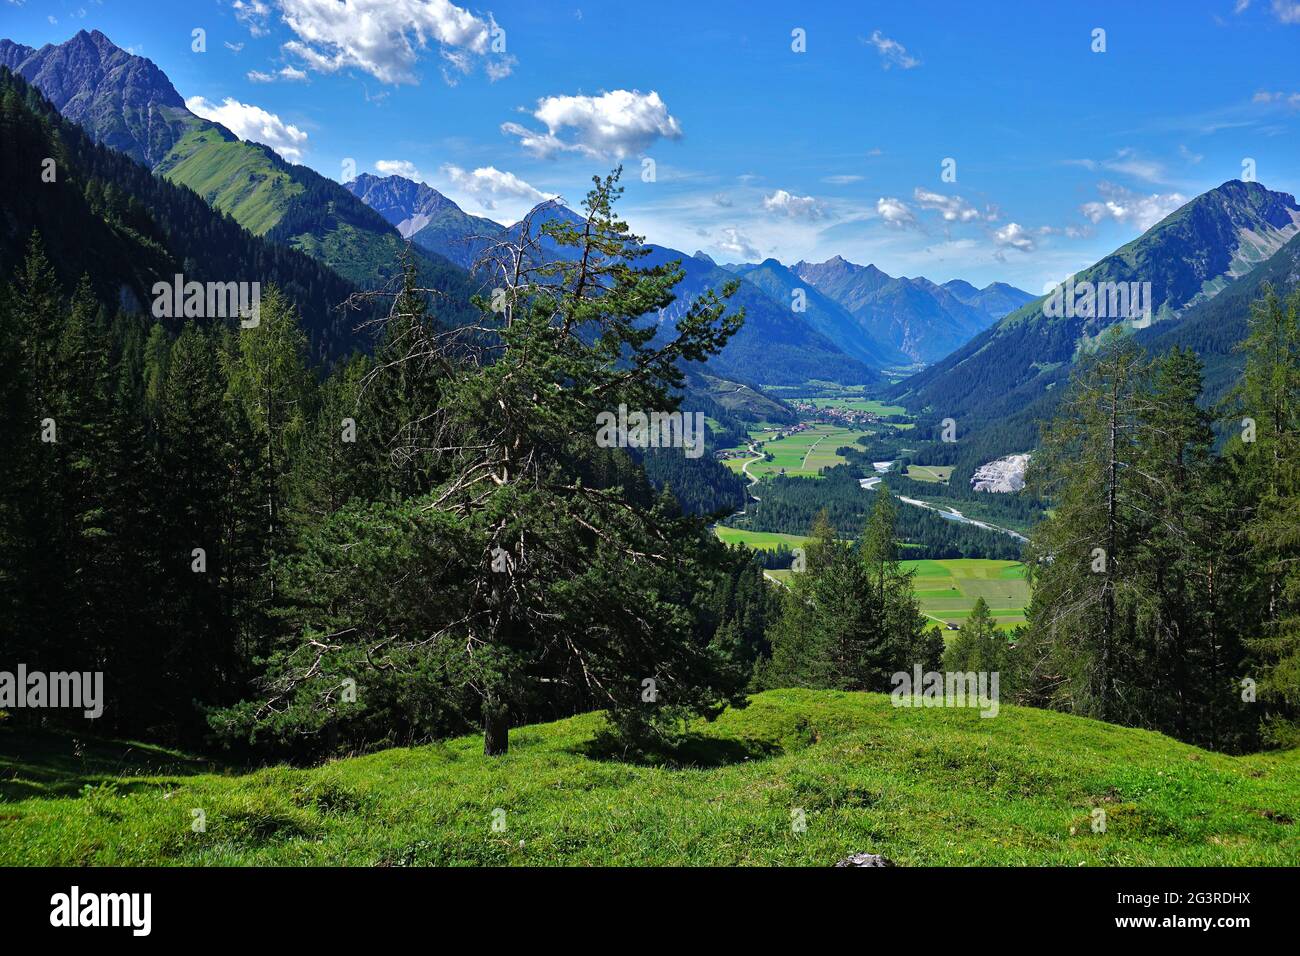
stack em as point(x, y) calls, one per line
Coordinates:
point(195, 542)
point(399, 398)
point(269, 383)
point(1269, 396)
point(1083, 560)
point(979, 645)
point(555, 586)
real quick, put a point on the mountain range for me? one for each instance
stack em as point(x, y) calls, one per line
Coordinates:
point(920, 319)
point(107, 219)
point(1205, 263)
point(1189, 258)
point(992, 353)
point(876, 321)
point(426, 217)
point(124, 101)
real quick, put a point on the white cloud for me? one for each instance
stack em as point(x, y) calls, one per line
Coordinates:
point(952, 208)
point(841, 180)
point(288, 73)
point(1015, 236)
point(796, 207)
point(1287, 11)
point(253, 14)
point(500, 68)
point(613, 125)
point(488, 184)
point(399, 167)
point(386, 38)
point(1131, 208)
point(1127, 162)
point(1286, 99)
point(892, 53)
point(254, 124)
point(234, 47)
point(733, 242)
point(894, 212)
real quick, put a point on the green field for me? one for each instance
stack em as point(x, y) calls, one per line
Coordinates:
point(805, 453)
point(947, 590)
point(757, 434)
point(923, 786)
point(935, 473)
point(861, 405)
point(758, 540)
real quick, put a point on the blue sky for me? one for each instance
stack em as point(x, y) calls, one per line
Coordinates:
point(1061, 153)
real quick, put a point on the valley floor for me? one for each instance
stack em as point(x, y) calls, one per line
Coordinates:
point(921, 786)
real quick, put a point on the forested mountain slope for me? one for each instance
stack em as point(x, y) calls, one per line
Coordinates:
point(1188, 258)
point(126, 102)
point(107, 217)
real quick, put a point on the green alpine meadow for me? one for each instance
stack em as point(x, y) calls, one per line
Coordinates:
point(926, 787)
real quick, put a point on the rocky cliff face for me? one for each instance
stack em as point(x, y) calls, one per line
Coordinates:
point(408, 205)
point(1004, 475)
point(121, 100)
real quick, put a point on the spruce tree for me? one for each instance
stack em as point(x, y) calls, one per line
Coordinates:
point(1269, 396)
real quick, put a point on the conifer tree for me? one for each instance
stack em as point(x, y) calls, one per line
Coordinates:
point(1083, 560)
point(1269, 396)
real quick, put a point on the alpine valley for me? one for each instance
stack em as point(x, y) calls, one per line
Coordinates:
point(449, 510)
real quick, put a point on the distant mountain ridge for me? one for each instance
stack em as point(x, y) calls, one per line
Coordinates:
point(123, 101)
point(407, 204)
point(426, 217)
point(821, 312)
point(1189, 258)
point(1002, 384)
point(108, 218)
point(919, 318)
point(126, 102)
point(775, 346)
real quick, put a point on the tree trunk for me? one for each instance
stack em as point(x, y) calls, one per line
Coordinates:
point(496, 727)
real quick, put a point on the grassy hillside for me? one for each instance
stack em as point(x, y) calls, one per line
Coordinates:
point(295, 206)
point(241, 179)
point(923, 787)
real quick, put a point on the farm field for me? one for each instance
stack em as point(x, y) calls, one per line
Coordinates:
point(936, 473)
point(948, 589)
point(758, 540)
point(861, 405)
point(807, 452)
point(756, 434)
